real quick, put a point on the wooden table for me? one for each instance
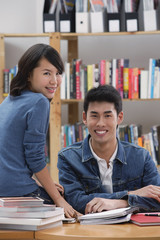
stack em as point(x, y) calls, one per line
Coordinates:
point(76, 231)
point(14, 234)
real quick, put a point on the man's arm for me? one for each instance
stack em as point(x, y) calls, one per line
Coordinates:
point(146, 198)
point(149, 191)
point(75, 191)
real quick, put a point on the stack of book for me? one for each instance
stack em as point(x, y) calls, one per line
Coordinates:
point(28, 213)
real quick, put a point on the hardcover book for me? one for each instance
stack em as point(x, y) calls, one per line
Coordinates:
point(142, 220)
point(21, 201)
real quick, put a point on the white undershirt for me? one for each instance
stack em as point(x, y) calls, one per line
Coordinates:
point(105, 171)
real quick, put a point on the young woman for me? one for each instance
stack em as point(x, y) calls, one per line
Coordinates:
point(24, 120)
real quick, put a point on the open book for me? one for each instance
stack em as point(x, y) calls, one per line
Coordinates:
point(108, 217)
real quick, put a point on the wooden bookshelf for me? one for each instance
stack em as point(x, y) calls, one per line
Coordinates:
point(73, 105)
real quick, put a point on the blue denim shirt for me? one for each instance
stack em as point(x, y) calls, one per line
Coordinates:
point(133, 168)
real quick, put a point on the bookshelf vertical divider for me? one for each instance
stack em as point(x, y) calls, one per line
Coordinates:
point(55, 118)
point(55, 112)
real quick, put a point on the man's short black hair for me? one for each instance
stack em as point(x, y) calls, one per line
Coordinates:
point(103, 93)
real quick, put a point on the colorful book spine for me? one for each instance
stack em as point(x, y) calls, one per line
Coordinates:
point(78, 91)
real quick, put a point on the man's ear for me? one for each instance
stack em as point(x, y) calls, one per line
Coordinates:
point(84, 117)
point(120, 117)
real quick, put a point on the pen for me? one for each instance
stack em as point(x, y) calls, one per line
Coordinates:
point(152, 214)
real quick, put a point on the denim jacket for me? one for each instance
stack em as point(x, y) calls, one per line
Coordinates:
point(133, 168)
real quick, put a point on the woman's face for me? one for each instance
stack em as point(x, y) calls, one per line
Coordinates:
point(45, 79)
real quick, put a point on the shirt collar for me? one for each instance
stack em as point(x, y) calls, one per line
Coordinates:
point(87, 153)
point(98, 158)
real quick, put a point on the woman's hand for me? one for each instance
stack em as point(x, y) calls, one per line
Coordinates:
point(68, 210)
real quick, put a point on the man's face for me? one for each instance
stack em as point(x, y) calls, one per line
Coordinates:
point(102, 121)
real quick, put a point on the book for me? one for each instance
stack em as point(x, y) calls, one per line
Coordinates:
point(114, 69)
point(125, 82)
point(144, 84)
point(30, 227)
point(102, 71)
point(21, 201)
point(141, 219)
point(98, 221)
point(90, 76)
point(73, 79)
point(78, 81)
point(156, 93)
point(30, 221)
point(110, 214)
point(130, 90)
point(31, 214)
point(14, 209)
point(108, 70)
point(58, 215)
point(67, 72)
point(152, 63)
point(135, 86)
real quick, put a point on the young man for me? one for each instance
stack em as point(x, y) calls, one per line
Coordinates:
point(101, 172)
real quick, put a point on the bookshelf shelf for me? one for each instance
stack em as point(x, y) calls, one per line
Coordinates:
point(69, 101)
point(56, 103)
point(72, 35)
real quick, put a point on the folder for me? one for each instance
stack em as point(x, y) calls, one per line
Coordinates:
point(147, 18)
point(98, 21)
point(129, 20)
point(82, 22)
point(113, 22)
point(49, 20)
point(158, 16)
point(67, 22)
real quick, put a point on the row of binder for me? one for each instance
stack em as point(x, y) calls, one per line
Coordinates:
point(85, 22)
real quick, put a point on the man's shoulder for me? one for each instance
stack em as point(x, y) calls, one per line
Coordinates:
point(73, 147)
point(132, 148)
point(126, 144)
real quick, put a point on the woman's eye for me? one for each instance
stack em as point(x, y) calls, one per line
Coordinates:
point(58, 73)
point(46, 73)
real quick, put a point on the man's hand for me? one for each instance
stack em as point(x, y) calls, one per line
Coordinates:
point(149, 191)
point(100, 204)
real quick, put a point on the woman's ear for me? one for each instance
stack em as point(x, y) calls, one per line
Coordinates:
point(84, 118)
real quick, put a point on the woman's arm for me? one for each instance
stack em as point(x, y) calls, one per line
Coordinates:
point(46, 181)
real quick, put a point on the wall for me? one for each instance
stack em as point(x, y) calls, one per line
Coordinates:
point(25, 16)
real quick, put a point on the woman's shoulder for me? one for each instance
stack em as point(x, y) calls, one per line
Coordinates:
point(35, 97)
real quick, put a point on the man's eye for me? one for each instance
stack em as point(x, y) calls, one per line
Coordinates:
point(108, 115)
point(94, 116)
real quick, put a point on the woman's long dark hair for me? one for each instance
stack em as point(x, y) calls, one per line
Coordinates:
point(29, 61)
